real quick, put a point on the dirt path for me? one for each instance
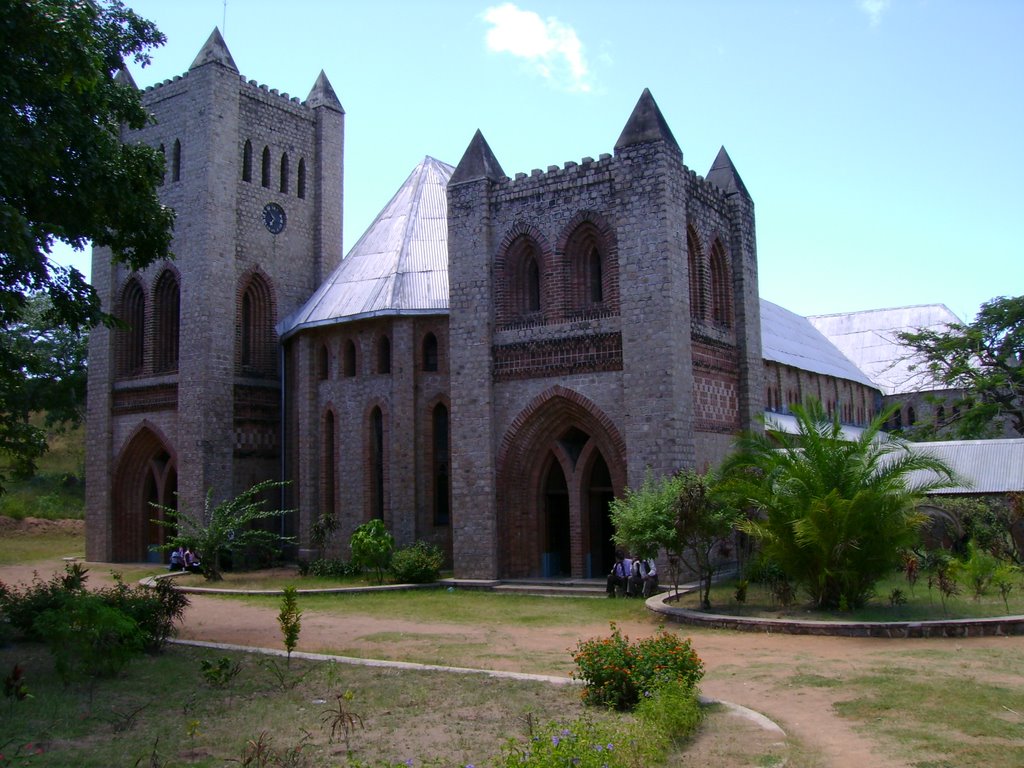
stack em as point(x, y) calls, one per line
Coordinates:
point(754, 670)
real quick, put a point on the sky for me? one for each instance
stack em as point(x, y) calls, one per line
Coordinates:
point(881, 140)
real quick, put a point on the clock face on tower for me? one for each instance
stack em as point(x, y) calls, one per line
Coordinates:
point(274, 218)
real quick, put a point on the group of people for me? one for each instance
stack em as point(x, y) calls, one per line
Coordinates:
point(183, 559)
point(632, 577)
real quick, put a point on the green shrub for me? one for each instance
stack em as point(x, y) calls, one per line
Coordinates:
point(673, 710)
point(585, 744)
point(419, 564)
point(23, 606)
point(333, 569)
point(89, 638)
point(668, 716)
point(154, 609)
point(617, 673)
point(372, 545)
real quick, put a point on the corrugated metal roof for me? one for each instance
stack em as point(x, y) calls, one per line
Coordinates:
point(790, 339)
point(400, 264)
point(989, 466)
point(786, 422)
point(868, 338)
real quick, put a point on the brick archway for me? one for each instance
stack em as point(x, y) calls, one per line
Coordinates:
point(146, 473)
point(564, 433)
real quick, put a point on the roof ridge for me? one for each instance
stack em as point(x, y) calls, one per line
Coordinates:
point(412, 216)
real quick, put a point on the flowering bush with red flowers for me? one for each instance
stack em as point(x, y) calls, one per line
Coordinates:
point(617, 673)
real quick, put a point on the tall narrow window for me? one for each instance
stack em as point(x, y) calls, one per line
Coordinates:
point(350, 358)
point(166, 316)
point(265, 171)
point(430, 352)
point(300, 181)
point(163, 171)
point(590, 273)
point(377, 463)
point(284, 173)
point(442, 486)
point(595, 272)
point(329, 478)
point(257, 339)
point(721, 293)
point(176, 162)
point(247, 161)
point(324, 363)
point(695, 261)
point(532, 286)
point(133, 314)
point(384, 355)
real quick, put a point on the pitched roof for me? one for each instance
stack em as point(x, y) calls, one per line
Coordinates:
point(791, 339)
point(869, 339)
point(988, 466)
point(400, 264)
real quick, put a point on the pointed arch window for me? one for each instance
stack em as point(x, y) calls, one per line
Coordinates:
point(523, 276)
point(257, 339)
point(721, 293)
point(284, 173)
point(247, 161)
point(384, 355)
point(328, 470)
point(300, 181)
point(430, 352)
point(350, 358)
point(377, 463)
point(695, 262)
point(176, 161)
point(441, 454)
point(265, 170)
point(163, 168)
point(133, 337)
point(324, 363)
point(586, 259)
point(167, 317)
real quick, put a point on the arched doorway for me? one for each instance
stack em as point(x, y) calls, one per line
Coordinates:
point(146, 475)
point(558, 468)
point(598, 494)
point(556, 555)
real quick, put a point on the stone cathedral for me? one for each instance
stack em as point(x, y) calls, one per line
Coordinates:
point(494, 360)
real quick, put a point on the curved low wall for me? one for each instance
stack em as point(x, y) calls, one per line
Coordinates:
point(988, 627)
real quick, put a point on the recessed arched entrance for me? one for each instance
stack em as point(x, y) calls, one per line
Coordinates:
point(559, 467)
point(146, 474)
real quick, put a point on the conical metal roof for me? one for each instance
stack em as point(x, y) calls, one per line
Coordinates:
point(400, 264)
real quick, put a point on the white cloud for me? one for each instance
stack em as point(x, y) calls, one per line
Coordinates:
point(874, 9)
point(549, 47)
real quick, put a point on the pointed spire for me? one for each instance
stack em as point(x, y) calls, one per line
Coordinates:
point(124, 77)
point(645, 125)
point(723, 175)
point(477, 163)
point(322, 95)
point(215, 50)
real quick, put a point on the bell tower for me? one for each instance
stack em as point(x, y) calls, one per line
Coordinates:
point(186, 397)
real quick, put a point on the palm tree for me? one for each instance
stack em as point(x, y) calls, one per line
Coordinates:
point(833, 513)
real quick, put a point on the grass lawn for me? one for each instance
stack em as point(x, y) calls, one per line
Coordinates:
point(161, 712)
point(921, 604)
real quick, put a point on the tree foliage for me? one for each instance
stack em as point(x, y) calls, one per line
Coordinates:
point(985, 359)
point(51, 378)
point(66, 176)
point(834, 514)
point(681, 514)
point(225, 528)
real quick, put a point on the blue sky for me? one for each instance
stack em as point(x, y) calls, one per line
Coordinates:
point(882, 140)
